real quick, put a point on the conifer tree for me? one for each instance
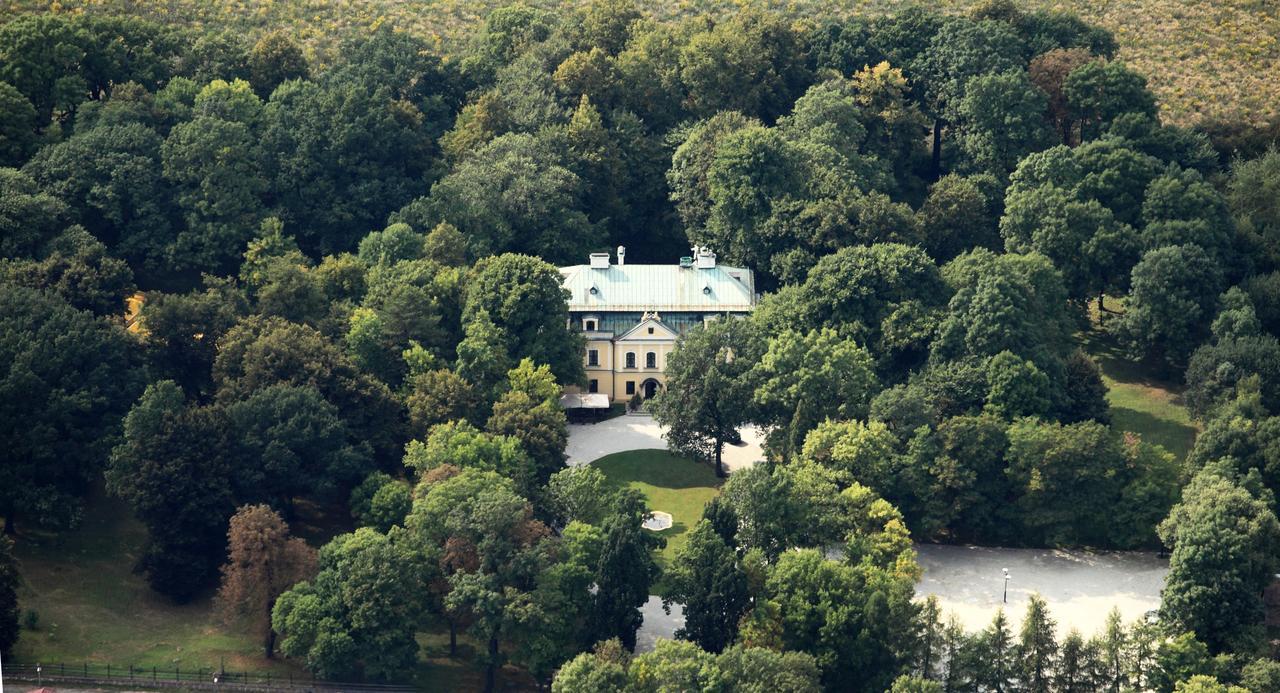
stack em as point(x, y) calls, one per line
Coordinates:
point(1037, 649)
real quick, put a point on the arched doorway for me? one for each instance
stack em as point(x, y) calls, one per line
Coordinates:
point(650, 388)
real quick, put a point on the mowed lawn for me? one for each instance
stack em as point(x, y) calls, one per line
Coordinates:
point(95, 609)
point(1141, 401)
point(671, 484)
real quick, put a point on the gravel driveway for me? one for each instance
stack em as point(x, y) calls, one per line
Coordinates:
point(591, 441)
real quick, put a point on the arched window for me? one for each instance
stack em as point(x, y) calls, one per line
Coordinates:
point(631, 359)
point(651, 360)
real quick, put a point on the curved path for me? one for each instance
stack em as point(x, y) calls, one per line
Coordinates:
point(591, 441)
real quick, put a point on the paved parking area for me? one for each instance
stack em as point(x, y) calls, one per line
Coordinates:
point(591, 441)
point(1080, 587)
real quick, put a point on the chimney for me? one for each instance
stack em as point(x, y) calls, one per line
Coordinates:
point(705, 258)
point(599, 261)
point(622, 255)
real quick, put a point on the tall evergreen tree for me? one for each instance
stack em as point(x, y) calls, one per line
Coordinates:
point(1037, 649)
point(706, 578)
point(625, 572)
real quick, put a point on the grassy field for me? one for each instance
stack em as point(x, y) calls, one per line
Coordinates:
point(94, 608)
point(671, 484)
point(1141, 402)
point(1203, 59)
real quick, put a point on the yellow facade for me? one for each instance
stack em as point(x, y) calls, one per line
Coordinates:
point(631, 315)
point(630, 363)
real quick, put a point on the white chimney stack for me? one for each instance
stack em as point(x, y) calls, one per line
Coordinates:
point(704, 258)
point(622, 255)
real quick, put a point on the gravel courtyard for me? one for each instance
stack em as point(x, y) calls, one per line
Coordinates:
point(1080, 586)
point(591, 441)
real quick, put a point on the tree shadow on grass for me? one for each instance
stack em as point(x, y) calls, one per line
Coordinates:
point(1115, 362)
point(1173, 436)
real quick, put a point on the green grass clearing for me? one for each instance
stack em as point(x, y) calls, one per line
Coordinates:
point(1142, 402)
point(670, 483)
point(95, 609)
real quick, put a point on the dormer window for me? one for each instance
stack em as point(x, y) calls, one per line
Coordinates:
point(589, 325)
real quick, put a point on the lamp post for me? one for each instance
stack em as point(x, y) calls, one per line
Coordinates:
point(1006, 585)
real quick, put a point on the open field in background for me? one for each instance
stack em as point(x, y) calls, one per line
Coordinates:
point(1204, 59)
point(1141, 401)
point(671, 484)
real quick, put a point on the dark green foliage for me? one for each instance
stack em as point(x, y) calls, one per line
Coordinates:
point(1084, 392)
point(339, 159)
point(67, 380)
point(802, 380)
point(262, 352)
point(1001, 120)
point(294, 443)
point(57, 61)
point(10, 581)
point(1037, 649)
point(958, 215)
point(1014, 303)
point(275, 59)
point(748, 64)
point(1098, 92)
point(181, 333)
point(17, 126)
point(183, 495)
point(707, 396)
point(439, 396)
point(707, 580)
point(359, 616)
point(514, 194)
point(76, 267)
point(1243, 433)
point(882, 295)
point(1216, 370)
point(111, 177)
point(625, 572)
point(1175, 290)
point(523, 297)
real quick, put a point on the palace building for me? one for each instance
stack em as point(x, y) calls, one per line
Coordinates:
point(631, 315)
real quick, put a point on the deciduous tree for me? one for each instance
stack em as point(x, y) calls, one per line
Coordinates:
point(262, 562)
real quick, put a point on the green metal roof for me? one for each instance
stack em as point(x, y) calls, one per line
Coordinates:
point(634, 288)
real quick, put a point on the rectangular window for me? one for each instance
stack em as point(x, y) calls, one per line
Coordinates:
point(631, 359)
point(631, 387)
point(590, 326)
point(593, 357)
point(593, 385)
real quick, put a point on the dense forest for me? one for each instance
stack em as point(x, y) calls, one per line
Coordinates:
point(243, 284)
